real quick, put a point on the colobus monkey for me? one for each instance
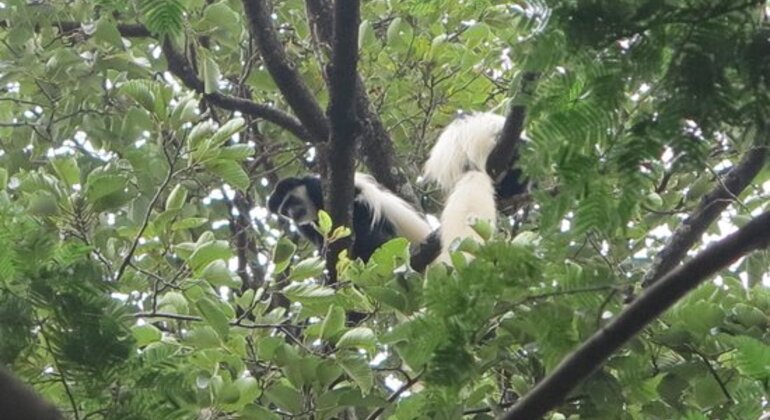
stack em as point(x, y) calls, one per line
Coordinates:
point(378, 215)
point(457, 163)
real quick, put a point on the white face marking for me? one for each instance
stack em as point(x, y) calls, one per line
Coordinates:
point(298, 206)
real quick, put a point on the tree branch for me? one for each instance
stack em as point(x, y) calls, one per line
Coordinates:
point(394, 396)
point(180, 67)
point(342, 115)
point(17, 401)
point(377, 150)
point(179, 317)
point(653, 302)
point(710, 207)
point(297, 95)
point(127, 30)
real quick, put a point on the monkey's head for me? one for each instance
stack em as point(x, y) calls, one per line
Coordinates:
point(298, 199)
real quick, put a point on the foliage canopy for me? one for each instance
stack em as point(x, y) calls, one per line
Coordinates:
point(141, 276)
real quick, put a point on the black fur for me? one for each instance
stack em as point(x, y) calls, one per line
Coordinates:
point(510, 184)
point(367, 238)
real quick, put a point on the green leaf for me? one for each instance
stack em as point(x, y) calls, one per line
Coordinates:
point(107, 32)
point(237, 152)
point(203, 337)
point(366, 34)
point(163, 17)
point(324, 222)
point(227, 131)
point(394, 30)
point(141, 92)
point(333, 323)
point(308, 293)
point(217, 274)
point(177, 198)
point(220, 15)
point(198, 134)
point(282, 254)
point(42, 204)
point(3, 178)
point(211, 75)
point(189, 223)
point(173, 302)
point(185, 111)
point(66, 168)
point(358, 369)
point(208, 252)
point(285, 397)
point(249, 389)
point(255, 412)
point(229, 394)
point(145, 334)
point(752, 358)
point(359, 337)
point(309, 268)
point(214, 316)
point(230, 172)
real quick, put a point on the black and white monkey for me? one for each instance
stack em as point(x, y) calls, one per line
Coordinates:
point(378, 215)
point(457, 163)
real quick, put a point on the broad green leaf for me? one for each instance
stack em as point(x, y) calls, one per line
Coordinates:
point(366, 34)
point(256, 412)
point(199, 133)
point(358, 369)
point(145, 334)
point(67, 169)
point(230, 172)
point(211, 74)
point(217, 274)
point(752, 358)
point(282, 254)
point(249, 389)
point(229, 394)
point(285, 397)
point(359, 337)
point(203, 337)
point(219, 14)
point(3, 178)
point(237, 152)
point(42, 204)
point(214, 316)
point(176, 198)
point(333, 323)
point(309, 268)
point(226, 131)
point(308, 293)
point(208, 252)
point(141, 92)
point(324, 222)
point(189, 223)
point(107, 32)
point(173, 302)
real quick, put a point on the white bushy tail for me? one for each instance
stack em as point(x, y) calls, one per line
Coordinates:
point(408, 222)
point(464, 145)
point(472, 199)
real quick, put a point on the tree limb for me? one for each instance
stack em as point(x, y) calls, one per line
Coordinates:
point(377, 150)
point(709, 208)
point(342, 115)
point(297, 95)
point(18, 401)
point(653, 302)
point(180, 67)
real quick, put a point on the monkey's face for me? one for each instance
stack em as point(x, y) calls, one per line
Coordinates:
point(298, 206)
